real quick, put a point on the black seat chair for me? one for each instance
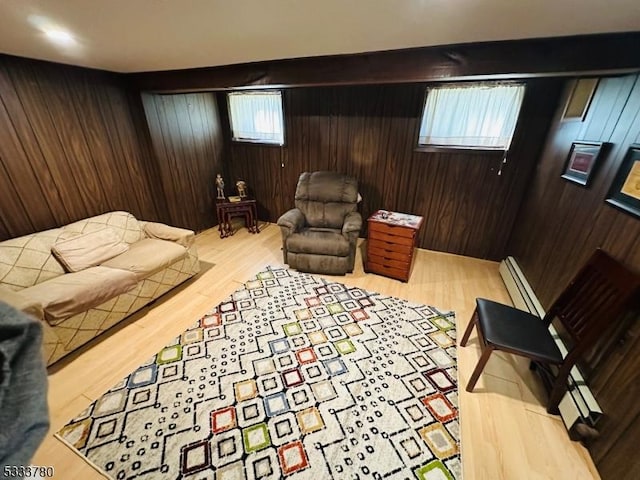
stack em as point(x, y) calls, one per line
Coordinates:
point(596, 297)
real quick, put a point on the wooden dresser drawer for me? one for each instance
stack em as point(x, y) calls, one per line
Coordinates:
point(399, 273)
point(402, 264)
point(399, 231)
point(385, 237)
point(404, 250)
point(390, 254)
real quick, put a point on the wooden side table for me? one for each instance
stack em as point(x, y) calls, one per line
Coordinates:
point(391, 241)
point(226, 210)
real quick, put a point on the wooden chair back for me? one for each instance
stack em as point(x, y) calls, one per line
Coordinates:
point(594, 299)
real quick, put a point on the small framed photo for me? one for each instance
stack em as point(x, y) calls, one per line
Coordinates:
point(579, 99)
point(625, 189)
point(583, 161)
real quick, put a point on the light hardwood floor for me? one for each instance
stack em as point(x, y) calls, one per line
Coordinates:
point(506, 433)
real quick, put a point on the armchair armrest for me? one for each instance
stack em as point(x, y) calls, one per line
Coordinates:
point(161, 231)
point(292, 221)
point(22, 302)
point(352, 225)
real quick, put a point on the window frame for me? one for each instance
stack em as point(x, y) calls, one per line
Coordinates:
point(424, 147)
point(257, 142)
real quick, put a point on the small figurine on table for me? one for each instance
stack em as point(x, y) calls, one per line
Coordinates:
point(242, 188)
point(220, 186)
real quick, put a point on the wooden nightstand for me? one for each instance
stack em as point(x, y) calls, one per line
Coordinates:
point(246, 208)
point(391, 240)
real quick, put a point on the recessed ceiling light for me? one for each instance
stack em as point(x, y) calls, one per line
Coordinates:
point(61, 37)
point(53, 31)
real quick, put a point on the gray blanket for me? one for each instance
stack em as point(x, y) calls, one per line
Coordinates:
point(24, 417)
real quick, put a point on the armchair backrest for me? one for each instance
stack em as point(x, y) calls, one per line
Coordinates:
point(325, 198)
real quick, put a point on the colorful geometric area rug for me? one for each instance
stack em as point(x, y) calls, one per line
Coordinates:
point(292, 377)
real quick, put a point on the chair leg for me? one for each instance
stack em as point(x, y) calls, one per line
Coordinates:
point(467, 332)
point(554, 400)
point(486, 353)
point(558, 390)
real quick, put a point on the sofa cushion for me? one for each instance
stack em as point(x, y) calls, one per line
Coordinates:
point(20, 301)
point(124, 224)
point(27, 260)
point(147, 256)
point(161, 231)
point(73, 293)
point(319, 241)
point(88, 249)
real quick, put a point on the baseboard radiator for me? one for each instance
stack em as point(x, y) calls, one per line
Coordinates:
point(578, 407)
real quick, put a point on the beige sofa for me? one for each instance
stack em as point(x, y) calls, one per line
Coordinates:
point(85, 277)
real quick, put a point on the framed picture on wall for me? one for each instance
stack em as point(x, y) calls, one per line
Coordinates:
point(625, 189)
point(582, 161)
point(579, 99)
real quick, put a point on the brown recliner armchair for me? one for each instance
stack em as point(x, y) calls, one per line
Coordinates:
point(321, 233)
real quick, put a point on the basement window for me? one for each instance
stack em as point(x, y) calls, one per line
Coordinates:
point(256, 117)
point(470, 116)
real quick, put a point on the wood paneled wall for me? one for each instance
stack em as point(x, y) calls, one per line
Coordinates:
point(72, 145)
point(561, 223)
point(188, 145)
point(370, 132)
point(616, 385)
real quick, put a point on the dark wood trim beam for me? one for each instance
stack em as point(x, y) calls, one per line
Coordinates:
point(579, 55)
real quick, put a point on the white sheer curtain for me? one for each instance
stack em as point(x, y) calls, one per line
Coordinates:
point(482, 116)
point(256, 116)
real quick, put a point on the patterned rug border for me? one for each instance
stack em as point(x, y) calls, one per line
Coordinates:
point(80, 455)
point(428, 471)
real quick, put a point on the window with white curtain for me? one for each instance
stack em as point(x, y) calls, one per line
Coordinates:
point(481, 116)
point(256, 117)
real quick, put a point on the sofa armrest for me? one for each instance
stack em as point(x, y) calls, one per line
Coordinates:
point(22, 302)
point(352, 225)
point(291, 221)
point(161, 231)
